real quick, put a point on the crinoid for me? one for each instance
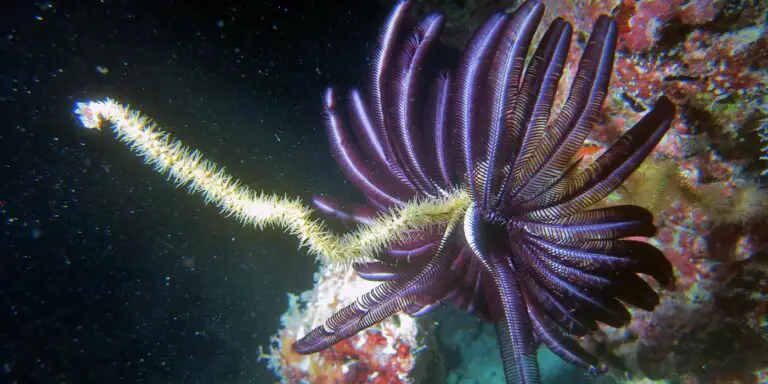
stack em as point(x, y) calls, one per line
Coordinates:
point(526, 252)
point(474, 195)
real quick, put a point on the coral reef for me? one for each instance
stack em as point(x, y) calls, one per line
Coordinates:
point(647, 18)
point(384, 353)
point(704, 185)
point(703, 189)
point(709, 56)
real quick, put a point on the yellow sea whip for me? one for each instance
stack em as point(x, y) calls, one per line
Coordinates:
point(186, 167)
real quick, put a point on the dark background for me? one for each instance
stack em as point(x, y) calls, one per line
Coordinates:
point(110, 274)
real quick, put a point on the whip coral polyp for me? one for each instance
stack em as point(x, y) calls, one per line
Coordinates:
point(473, 195)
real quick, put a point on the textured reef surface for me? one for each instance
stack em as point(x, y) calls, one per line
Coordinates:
point(704, 187)
point(385, 352)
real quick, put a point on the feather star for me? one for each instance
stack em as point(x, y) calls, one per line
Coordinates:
point(528, 254)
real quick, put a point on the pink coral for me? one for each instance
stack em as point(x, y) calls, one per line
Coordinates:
point(381, 354)
point(701, 228)
point(646, 18)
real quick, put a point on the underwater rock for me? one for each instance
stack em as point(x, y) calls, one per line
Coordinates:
point(384, 353)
